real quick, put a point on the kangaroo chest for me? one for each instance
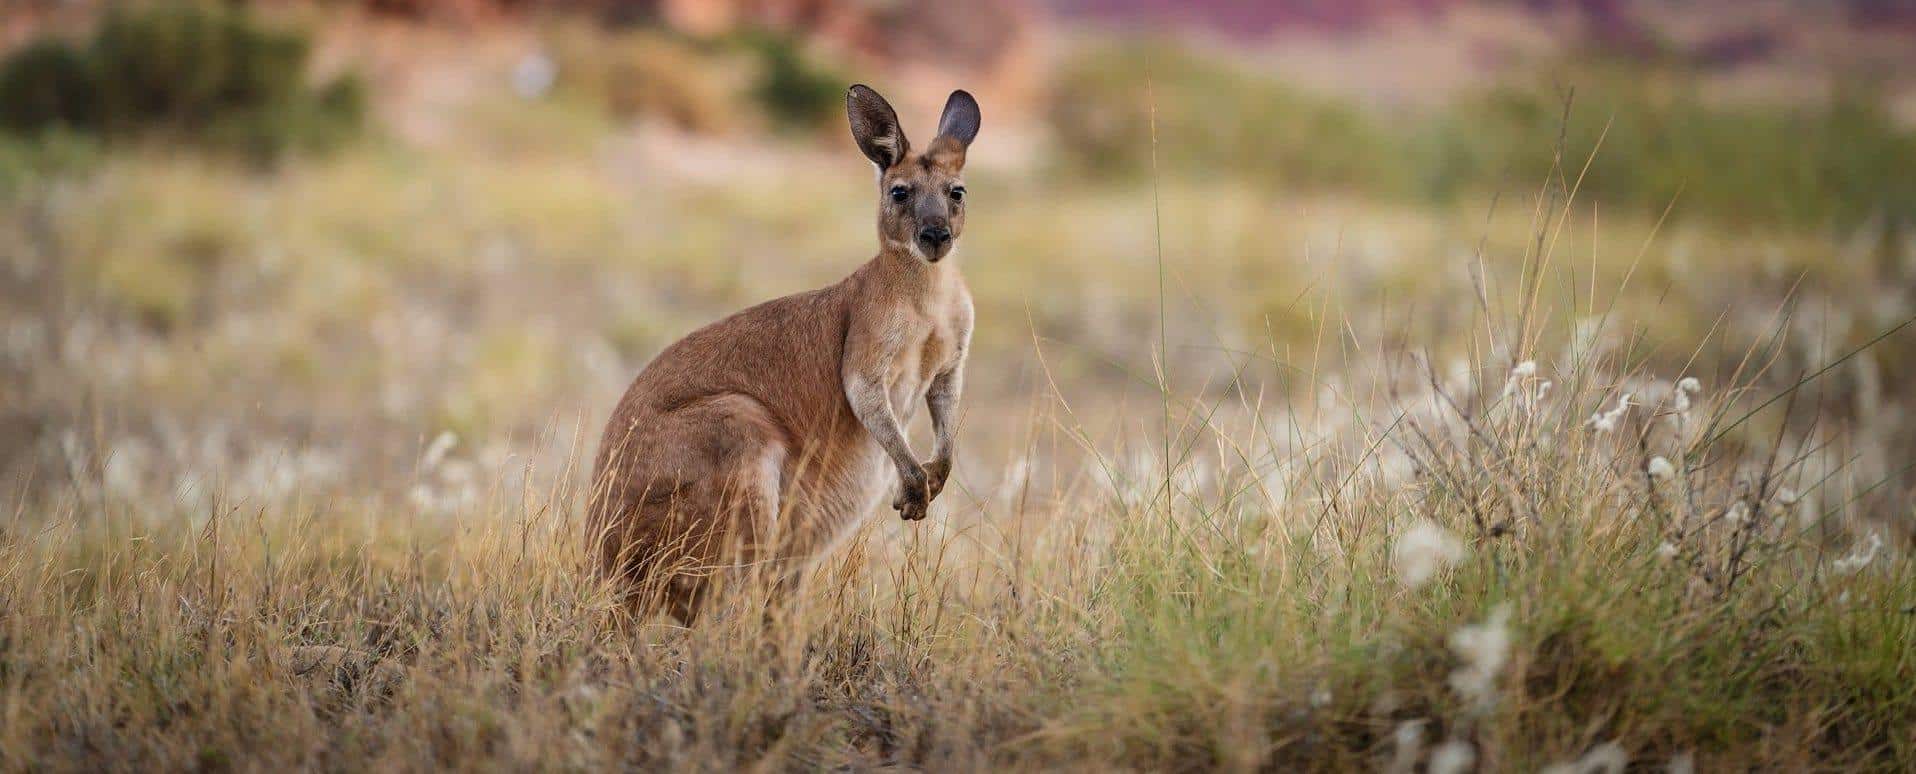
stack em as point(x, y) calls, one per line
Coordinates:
point(911, 376)
point(932, 346)
point(927, 337)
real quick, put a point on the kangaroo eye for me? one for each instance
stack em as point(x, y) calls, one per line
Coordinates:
point(958, 193)
point(898, 193)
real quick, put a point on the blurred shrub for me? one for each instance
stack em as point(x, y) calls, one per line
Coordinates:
point(750, 78)
point(649, 73)
point(1834, 163)
point(796, 89)
point(49, 83)
point(203, 73)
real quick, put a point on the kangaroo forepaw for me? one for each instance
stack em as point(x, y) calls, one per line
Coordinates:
point(936, 472)
point(914, 497)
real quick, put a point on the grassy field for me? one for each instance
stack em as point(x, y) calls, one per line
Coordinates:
point(1249, 478)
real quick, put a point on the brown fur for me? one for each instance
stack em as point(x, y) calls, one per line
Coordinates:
point(758, 440)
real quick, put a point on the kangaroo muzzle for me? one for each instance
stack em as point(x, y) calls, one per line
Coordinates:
point(934, 241)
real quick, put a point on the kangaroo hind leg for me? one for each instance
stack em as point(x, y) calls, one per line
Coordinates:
point(723, 527)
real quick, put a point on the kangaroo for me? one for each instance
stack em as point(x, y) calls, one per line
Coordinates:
point(760, 439)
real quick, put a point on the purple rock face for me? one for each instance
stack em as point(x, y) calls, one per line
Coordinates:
point(1249, 18)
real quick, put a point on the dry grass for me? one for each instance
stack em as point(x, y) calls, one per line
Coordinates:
point(236, 538)
point(1266, 618)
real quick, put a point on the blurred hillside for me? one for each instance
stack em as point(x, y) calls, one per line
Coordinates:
point(1772, 45)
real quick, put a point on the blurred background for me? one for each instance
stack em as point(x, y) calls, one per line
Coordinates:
point(401, 250)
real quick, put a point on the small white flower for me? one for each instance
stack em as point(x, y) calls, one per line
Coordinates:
point(1660, 469)
point(1606, 421)
point(1860, 557)
point(1452, 757)
point(1483, 648)
point(1422, 551)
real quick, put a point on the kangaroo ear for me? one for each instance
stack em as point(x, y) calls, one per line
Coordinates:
point(875, 126)
point(960, 121)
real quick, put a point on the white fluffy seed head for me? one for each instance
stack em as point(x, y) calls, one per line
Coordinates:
point(1520, 375)
point(1860, 557)
point(1422, 551)
point(1606, 758)
point(1606, 421)
point(1452, 757)
point(1680, 398)
point(1660, 469)
point(1483, 648)
point(436, 453)
point(1409, 739)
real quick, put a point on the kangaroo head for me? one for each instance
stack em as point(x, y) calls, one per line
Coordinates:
point(921, 196)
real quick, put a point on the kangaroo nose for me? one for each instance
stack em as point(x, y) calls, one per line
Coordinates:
point(934, 235)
